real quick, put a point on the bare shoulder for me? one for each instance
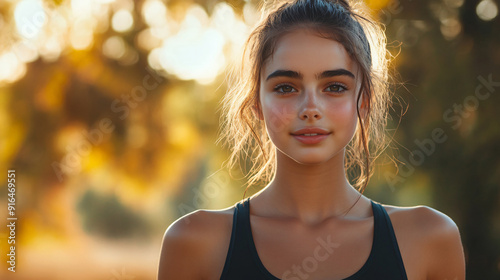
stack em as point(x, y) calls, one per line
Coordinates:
point(195, 245)
point(198, 223)
point(421, 219)
point(433, 236)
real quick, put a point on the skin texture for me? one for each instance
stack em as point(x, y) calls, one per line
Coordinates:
point(309, 194)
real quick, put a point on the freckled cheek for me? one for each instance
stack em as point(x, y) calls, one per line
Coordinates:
point(343, 114)
point(278, 115)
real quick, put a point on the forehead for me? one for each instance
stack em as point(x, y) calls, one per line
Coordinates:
point(305, 51)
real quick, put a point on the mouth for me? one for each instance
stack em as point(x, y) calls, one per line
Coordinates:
point(310, 134)
point(310, 138)
point(311, 131)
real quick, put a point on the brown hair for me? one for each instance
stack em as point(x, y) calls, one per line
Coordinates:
point(365, 42)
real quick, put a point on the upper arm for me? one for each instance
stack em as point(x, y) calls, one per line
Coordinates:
point(181, 250)
point(443, 250)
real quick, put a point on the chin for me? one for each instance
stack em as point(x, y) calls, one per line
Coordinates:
point(311, 157)
point(311, 162)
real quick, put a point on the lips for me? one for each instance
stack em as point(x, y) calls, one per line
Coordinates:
point(311, 135)
point(311, 131)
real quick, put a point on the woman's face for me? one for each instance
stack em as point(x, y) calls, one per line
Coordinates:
point(309, 82)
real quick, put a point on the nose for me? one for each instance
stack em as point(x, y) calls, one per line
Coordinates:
point(310, 110)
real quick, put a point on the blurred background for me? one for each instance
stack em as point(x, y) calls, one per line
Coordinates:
point(109, 114)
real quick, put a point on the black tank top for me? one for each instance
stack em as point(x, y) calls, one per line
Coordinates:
point(243, 263)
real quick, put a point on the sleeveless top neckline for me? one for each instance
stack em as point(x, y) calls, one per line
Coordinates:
point(243, 262)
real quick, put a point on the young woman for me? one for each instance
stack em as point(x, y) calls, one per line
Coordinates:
point(312, 94)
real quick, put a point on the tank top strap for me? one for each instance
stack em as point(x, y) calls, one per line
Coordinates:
point(385, 248)
point(252, 256)
point(238, 260)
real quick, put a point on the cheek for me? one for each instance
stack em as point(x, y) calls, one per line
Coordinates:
point(277, 115)
point(344, 114)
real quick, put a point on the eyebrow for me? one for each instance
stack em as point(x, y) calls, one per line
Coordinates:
point(322, 75)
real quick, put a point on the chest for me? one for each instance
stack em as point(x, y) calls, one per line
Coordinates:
point(335, 250)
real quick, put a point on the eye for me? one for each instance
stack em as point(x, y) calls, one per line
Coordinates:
point(336, 87)
point(284, 88)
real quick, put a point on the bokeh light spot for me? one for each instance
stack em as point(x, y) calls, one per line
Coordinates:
point(450, 28)
point(487, 10)
point(154, 13)
point(114, 47)
point(11, 68)
point(122, 21)
point(30, 18)
point(196, 51)
point(82, 34)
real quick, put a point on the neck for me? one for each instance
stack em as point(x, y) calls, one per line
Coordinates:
point(310, 193)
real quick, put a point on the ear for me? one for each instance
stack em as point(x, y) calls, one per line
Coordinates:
point(257, 112)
